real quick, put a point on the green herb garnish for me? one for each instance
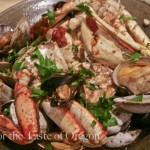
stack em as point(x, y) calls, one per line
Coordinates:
point(48, 147)
point(148, 44)
point(7, 72)
point(83, 7)
point(138, 98)
point(100, 109)
point(127, 18)
point(38, 94)
point(69, 31)
point(12, 57)
point(93, 87)
point(93, 124)
point(135, 56)
point(46, 66)
point(74, 48)
point(36, 42)
point(50, 15)
point(81, 76)
point(19, 65)
point(6, 111)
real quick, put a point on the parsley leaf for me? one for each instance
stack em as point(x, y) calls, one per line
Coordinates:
point(93, 124)
point(19, 65)
point(93, 87)
point(48, 147)
point(50, 15)
point(12, 57)
point(69, 31)
point(81, 76)
point(135, 56)
point(36, 42)
point(7, 72)
point(100, 110)
point(126, 18)
point(6, 111)
point(74, 48)
point(138, 98)
point(46, 66)
point(84, 8)
point(148, 44)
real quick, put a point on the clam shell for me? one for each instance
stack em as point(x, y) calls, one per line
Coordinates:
point(119, 67)
point(134, 107)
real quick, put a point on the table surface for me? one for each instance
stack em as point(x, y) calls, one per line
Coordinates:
point(4, 4)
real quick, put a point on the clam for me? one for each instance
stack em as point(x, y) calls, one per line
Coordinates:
point(131, 105)
point(134, 76)
point(122, 139)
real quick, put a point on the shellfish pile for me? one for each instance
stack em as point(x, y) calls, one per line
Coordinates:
point(84, 67)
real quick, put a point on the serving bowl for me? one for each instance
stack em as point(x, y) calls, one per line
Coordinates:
point(33, 9)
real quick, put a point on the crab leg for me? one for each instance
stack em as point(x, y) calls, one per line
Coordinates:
point(63, 118)
point(136, 31)
point(8, 129)
point(26, 111)
point(117, 34)
point(85, 119)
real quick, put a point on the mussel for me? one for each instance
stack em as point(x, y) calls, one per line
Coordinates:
point(134, 76)
point(55, 81)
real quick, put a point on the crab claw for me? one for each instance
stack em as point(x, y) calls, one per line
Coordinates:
point(96, 133)
point(26, 111)
point(64, 119)
point(8, 129)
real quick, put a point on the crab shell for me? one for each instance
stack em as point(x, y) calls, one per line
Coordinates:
point(133, 76)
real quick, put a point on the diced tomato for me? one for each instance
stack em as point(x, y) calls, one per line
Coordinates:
point(91, 24)
point(58, 35)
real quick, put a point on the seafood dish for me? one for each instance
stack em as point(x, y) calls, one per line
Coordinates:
point(77, 78)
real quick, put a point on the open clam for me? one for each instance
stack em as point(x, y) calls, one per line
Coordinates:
point(130, 104)
point(134, 76)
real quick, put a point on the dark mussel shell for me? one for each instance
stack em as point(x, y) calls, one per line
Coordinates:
point(55, 81)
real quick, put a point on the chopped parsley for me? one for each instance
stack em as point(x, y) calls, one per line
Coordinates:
point(6, 111)
point(81, 76)
point(19, 65)
point(36, 42)
point(148, 44)
point(93, 124)
point(138, 98)
point(127, 18)
point(135, 56)
point(50, 15)
point(12, 57)
point(93, 87)
point(100, 109)
point(46, 66)
point(48, 147)
point(83, 7)
point(7, 72)
point(74, 48)
point(38, 94)
point(69, 31)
